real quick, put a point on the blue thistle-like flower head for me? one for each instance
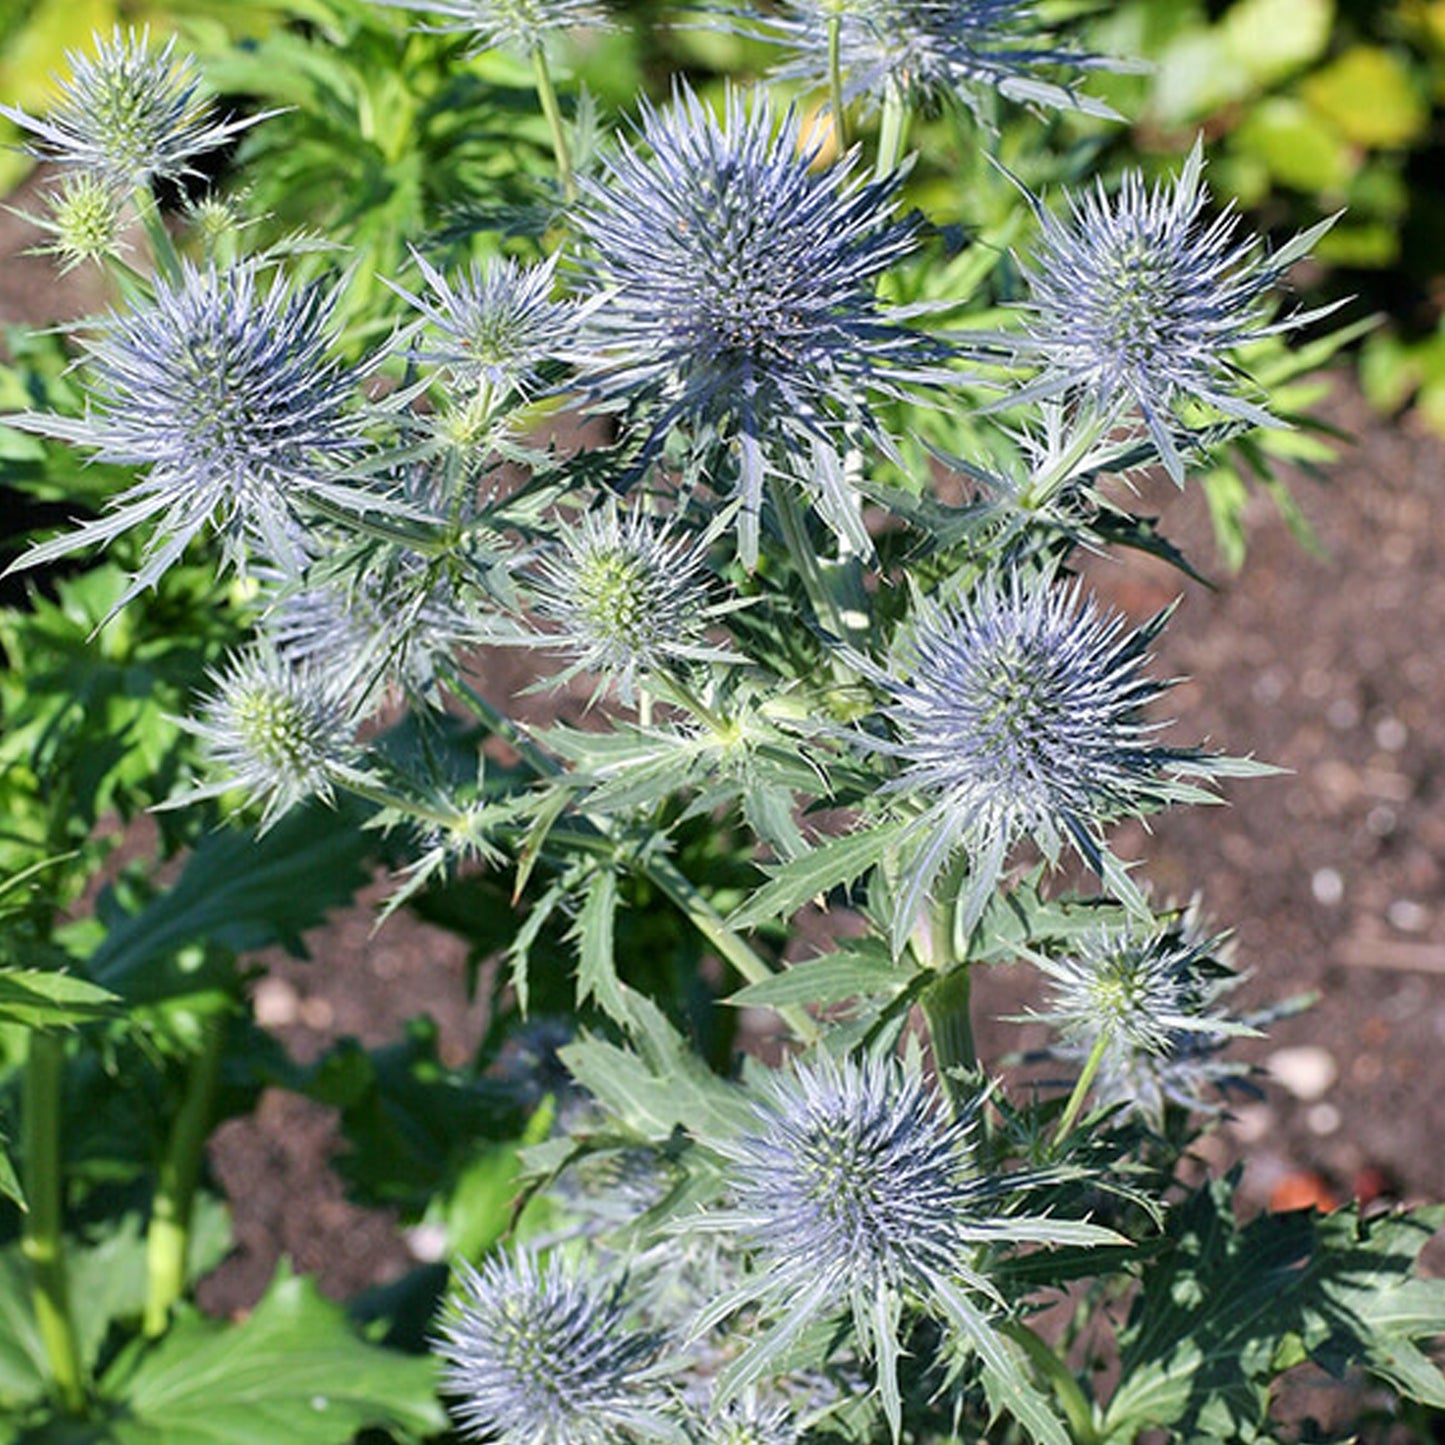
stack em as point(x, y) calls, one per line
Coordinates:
point(626, 595)
point(1154, 1000)
point(1137, 303)
point(278, 732)
point(497, 324)
point(129, 114)
point(1019, 712)
point(224, 389)
point(541, 1356)
point(924, 51)
point(735, 291)
point(855, 1191)
point(492, 23)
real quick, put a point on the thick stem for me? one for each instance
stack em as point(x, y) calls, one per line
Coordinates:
point(42, 1241)
point(168, 1239)
point(547, 94)
point(892, 131)
point(1081, 1087)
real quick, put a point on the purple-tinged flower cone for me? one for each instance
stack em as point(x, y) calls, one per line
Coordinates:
point(541, 1356)
point(735, 298)
point(925, 51)
point(1154, 1003)
point(855, 1192)
point(225, 391)
point(129, 114)
point(497, 323)
point(1138, 304)
point(1020, 712)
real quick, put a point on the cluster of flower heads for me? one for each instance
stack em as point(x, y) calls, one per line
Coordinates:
point(923, 52)
point(737, 298)
point(1019, 712)
point(1137, 304)
point(852, 1193)
point(1151, 1004)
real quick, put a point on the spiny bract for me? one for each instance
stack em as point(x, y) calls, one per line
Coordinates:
point(129, 114)
point(1137, 303)
point(538, 1355)
point(735, 289)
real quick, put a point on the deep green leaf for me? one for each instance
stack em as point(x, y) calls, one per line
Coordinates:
point(294, 1371)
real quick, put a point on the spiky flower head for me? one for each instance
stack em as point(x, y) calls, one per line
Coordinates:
point(925, 51)
point(1138, 303)
point(1019, 712)
point(735, 290)
point(279, 733)
point(223, 387)
point(1154, 1003)
point(540, 1355)
point(490, 23)
point(750, 1420)
point(627, 596)
point(86, 221)
point(129, 114)
point(497, 323)
point(854, 1190)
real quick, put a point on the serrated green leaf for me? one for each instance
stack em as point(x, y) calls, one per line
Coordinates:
point(294, 1371)
point(597, 964)
point(39, 1000)
point(1220, 1305)
point(833, 978)
point(830, 865)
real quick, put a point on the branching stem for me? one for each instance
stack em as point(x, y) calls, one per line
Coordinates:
point(547, 94)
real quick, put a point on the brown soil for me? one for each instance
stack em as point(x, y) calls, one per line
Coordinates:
point(1332, 875)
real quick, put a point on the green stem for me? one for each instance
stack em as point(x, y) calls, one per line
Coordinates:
point(1067, 1390)
point(547, 94)
point(1081, 1087)
point(168, 1239)
point(664, 875)
point(42, 1240)
point(163, 248)
point(892, 131)
point(835, 80)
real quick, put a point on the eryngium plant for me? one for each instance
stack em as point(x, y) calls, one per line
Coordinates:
point(128, 114)
point(1143, 1012)
point(855, 1193)
point(489, 23)
point(541, 1355)
point(922, 52)
point(275, 731)
point(735, 283)
point(1018, 712)
point(223, 385)
point(1140, 303)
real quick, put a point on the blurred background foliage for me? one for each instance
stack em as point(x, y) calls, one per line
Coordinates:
point(1309, 107)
